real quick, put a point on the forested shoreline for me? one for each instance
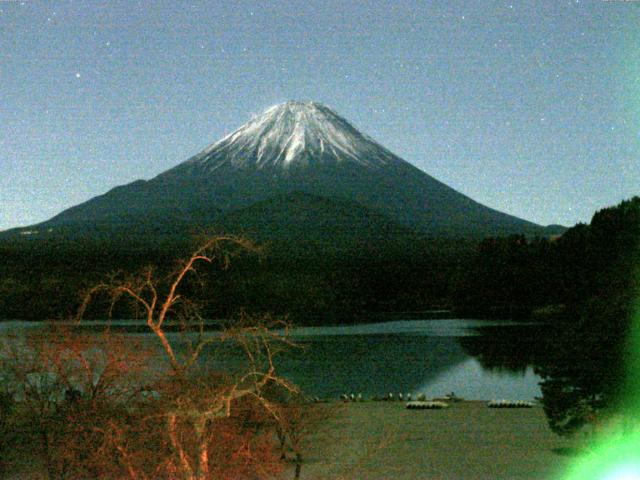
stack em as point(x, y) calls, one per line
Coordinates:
point(334, 281)
point(583, 285)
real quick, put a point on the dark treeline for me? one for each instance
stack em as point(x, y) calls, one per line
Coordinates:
point(588, 267)
point(312, 282)
point(593, 282)
point(586, 374)
point(45, 279)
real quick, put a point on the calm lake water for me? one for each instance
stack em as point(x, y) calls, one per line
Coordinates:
point(473, 358)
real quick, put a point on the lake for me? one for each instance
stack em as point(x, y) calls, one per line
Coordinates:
point(476, 359)
point(435, 357)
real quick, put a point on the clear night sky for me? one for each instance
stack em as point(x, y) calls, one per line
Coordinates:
point(530, 107)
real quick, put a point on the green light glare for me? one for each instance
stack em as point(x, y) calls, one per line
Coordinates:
point(616, 455)
point(613, 459)
point(626, 472)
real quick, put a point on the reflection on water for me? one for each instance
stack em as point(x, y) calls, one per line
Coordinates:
point(508, 349)
point(475, 359)
point(471, 381)
point(372, 364)
point(430, 328)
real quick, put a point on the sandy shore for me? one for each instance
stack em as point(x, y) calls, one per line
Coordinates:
point(467, 441)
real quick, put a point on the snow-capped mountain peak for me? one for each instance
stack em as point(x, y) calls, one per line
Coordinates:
point(293, 133)
point(293, 162)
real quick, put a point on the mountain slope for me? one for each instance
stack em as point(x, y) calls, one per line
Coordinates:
point(301, 216)
point(292, 147)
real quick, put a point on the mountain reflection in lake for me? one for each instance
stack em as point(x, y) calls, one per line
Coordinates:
point(473, 358)
point(430, 356)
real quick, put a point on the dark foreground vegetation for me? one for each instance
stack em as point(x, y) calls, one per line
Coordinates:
point(77, 406)
point(582, 284)
point(343, 278)
point(584, 353)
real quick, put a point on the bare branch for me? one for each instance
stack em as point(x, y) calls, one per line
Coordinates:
point(172, 421)
point(88, 298)
point(188, 406)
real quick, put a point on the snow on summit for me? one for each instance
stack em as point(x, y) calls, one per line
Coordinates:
point(290, 149)
point(293, 133)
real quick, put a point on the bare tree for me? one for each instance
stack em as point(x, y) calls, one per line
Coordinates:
point(195, 406)
point(64, 385)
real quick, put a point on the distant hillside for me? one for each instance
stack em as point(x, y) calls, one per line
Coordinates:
point(300, 216)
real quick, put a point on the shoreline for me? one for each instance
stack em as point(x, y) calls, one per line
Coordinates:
point(466, 441)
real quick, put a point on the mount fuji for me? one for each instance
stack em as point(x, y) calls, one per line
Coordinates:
point(297, 167)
